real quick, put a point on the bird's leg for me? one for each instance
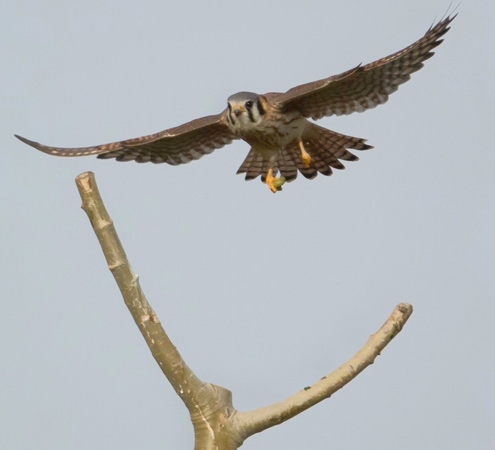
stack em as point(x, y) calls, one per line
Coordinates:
point(304, 154)
point(275, 184)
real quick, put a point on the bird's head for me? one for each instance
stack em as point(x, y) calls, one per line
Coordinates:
point(246, 109)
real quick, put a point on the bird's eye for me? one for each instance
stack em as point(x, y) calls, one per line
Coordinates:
point(249, 104)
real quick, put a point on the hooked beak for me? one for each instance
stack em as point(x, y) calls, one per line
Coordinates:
point(238, 111)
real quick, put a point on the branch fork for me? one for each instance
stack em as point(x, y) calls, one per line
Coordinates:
point(217, 424)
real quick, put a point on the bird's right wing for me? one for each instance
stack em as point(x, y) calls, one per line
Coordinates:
point(174, 146)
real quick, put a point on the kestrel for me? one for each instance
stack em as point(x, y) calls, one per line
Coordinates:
point(276, 125)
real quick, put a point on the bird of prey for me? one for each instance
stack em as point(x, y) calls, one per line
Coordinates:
point(276, 126)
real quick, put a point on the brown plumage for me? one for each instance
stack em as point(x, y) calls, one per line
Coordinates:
point(325, 147)
point(275, 124)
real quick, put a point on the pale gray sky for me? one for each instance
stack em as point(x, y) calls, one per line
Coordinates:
point(263, 294)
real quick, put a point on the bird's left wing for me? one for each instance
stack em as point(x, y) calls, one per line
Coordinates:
point(174, 146)
point(363, 87)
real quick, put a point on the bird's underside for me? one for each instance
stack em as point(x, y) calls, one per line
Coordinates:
point(275, 125)
point(318, 150)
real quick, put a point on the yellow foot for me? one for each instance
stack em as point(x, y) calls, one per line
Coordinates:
point(305, 155)
point(275, 184)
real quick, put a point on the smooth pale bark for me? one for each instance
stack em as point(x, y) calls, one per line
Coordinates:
point(260, 419)
point(217, 424)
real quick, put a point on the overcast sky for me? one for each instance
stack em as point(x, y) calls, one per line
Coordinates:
point(263, 294)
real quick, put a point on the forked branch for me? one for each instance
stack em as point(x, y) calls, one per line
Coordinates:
point(217, 424)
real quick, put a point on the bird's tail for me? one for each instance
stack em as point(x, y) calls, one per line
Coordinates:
point(252, 165)
point(325, 147)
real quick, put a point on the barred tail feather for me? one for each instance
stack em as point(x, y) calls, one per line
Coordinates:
point(252, 165)
point(287, 165)
point(326, 148)
point(246, 163)
point(307, 172)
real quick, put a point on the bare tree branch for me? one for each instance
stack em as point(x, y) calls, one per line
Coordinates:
point(260, 419)
point(165, 353)
point(217, 424)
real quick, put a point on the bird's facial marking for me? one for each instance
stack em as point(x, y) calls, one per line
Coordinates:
point(249, 109)
point(244, 111)
point(232, 114)
point(235, 110)
point(261, 104)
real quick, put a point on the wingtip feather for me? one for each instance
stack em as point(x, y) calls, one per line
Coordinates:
point(27, 141)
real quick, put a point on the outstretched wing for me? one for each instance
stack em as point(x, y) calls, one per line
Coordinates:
point(174, 146)
point(363, 87)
